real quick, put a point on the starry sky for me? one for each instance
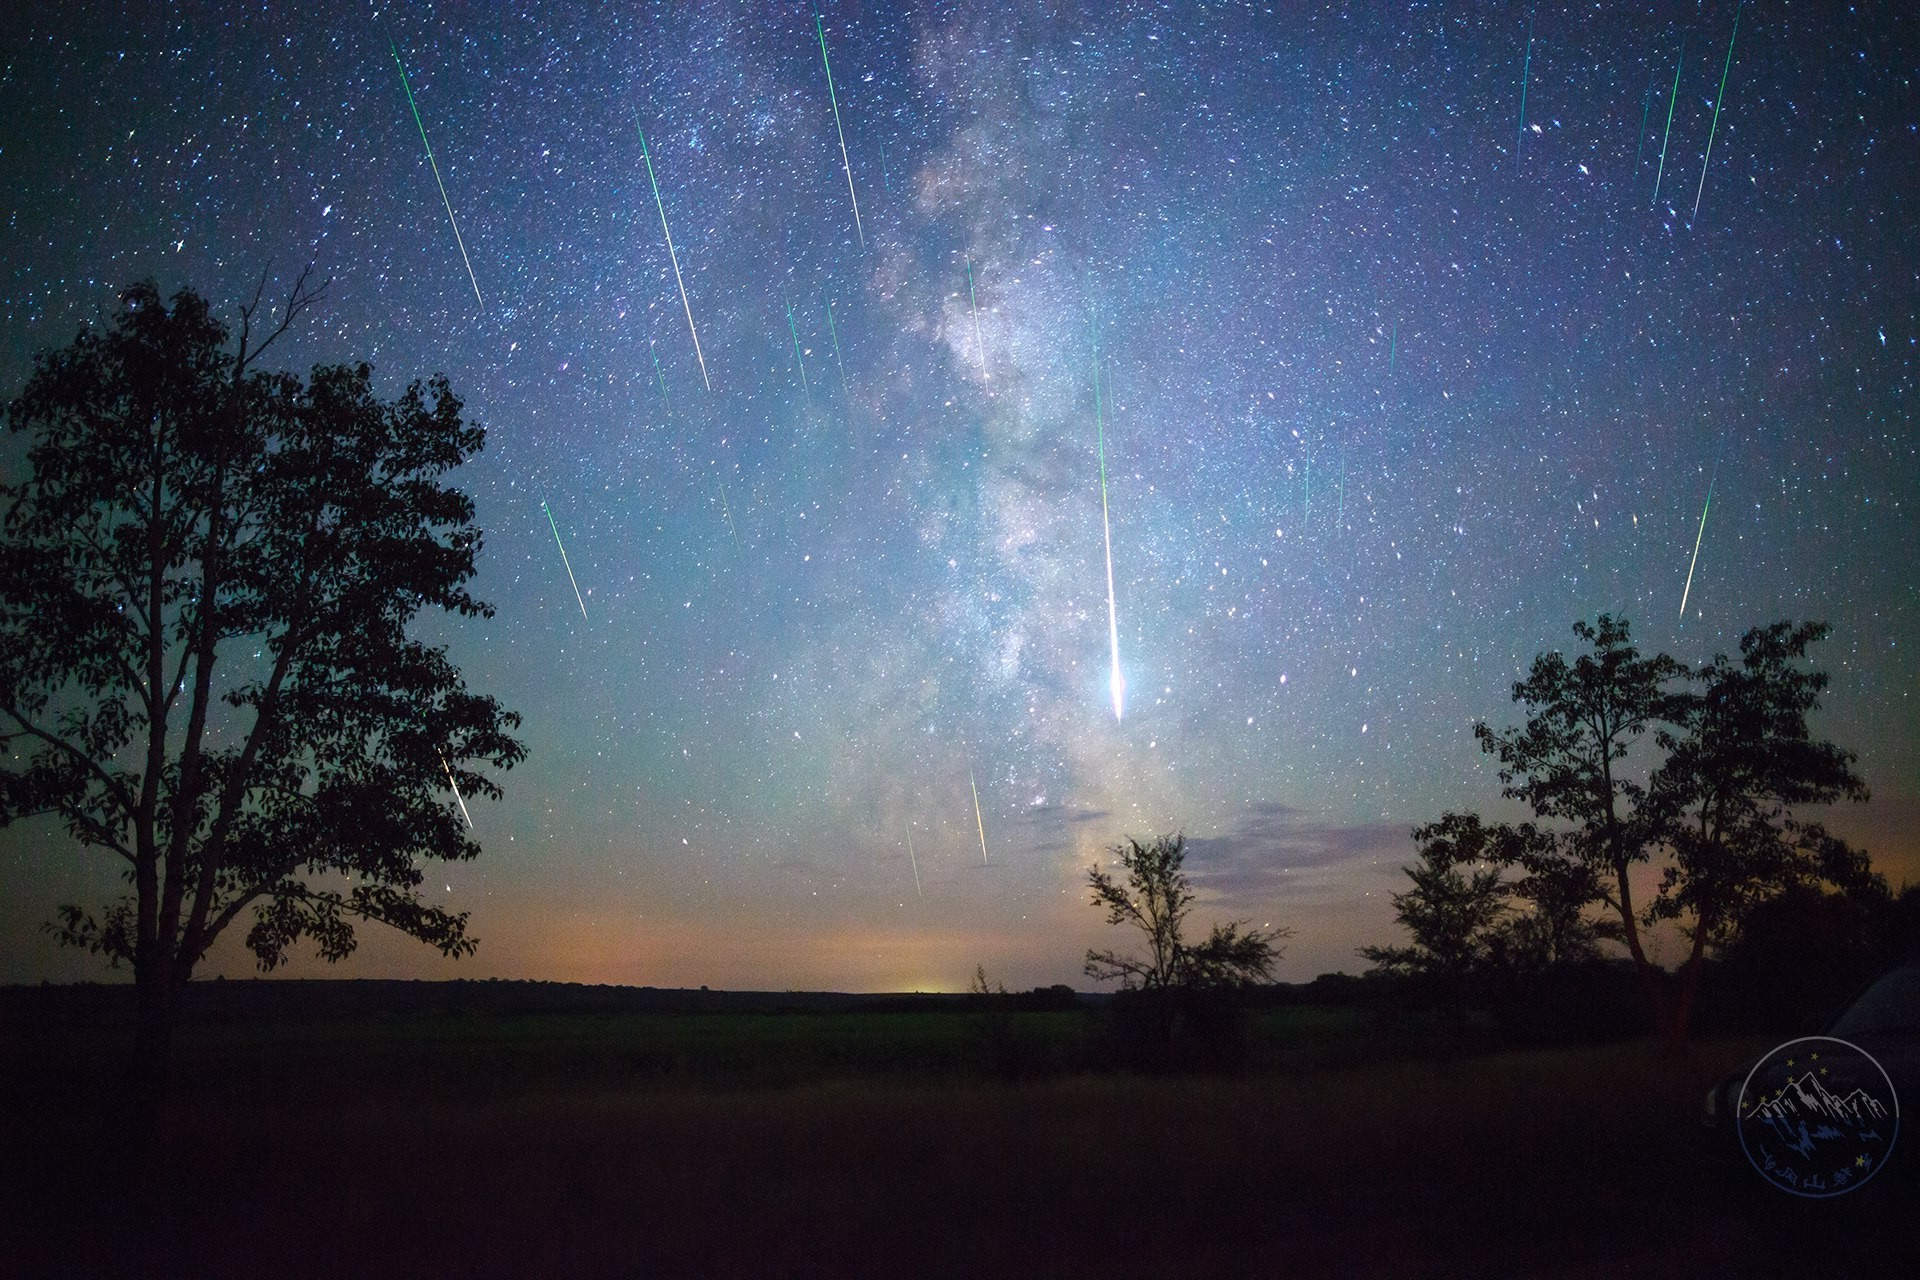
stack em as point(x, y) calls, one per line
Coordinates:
point(1409, 333)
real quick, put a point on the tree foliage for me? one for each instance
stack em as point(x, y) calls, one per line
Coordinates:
point(1155, 898)
point(206, 580)
point(1716, 810)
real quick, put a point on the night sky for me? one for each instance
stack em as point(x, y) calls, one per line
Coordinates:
point(1396, 378)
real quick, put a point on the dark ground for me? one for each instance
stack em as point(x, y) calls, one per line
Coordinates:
point(481, 1129)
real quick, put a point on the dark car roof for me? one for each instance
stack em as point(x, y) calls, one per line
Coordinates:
point(1890, 1007)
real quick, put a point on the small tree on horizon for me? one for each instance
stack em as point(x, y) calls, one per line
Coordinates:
point(1155, 898)
point(1455, 908)
point(206, 578)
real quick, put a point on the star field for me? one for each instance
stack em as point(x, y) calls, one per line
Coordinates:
point(1399, 380)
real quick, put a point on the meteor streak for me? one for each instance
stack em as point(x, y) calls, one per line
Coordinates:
point(1115, 681)
point(456, 793)
point(798, 358)
point(1640, 139)
point(977, 819)
point(1526, 73)
point(835, 99)
point(727, 511)
point(659, 377)
point(435, 165)
point(1718, 98)
point(978, 343)
point(671, 253)
point(1673, 96)
point(835, 334)
point(915, 861)
point(565, 561)
point(1696, 543)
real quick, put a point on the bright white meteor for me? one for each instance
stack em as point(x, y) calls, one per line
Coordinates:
point(671, 253)
point(566, 562)
point(978, 820)
point(915, 861)
point(1115, 680)
point(456, 793)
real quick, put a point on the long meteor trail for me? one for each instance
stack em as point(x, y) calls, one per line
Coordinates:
point(835, 99)
point(1115, 681)
point(565, 561)
point(1526, 73)
point(1718, 99)
point(648, 157)
point(1673, 96)
point(977, 819)
point(435, 165)
point(1696, 543)
point(915, 861)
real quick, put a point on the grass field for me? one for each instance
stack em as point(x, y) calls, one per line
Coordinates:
point(854, 1144)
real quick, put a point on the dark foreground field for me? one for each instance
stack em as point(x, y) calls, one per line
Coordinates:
point(446, 1142)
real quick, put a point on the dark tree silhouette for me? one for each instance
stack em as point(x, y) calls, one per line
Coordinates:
point(1455, 908)
point(1716, 810)
point(1739, 758)
point(1155, 899)
point(206, 578)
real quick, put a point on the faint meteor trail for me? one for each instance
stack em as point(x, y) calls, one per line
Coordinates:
point(798, 358)
point(659, 377)
point(1673, 97)
point(672, 253)
point(565, 561)
point(834, 332)
point(435, 165)
point(1640, 139)
point(1718, 99)
point(835, 99)
point(1696, 542)
point(1526, 73)
point(1115, 681)
point(977, 819)
point(456, 793)
point(727, 511)
point(979, 344)
point(915, 861)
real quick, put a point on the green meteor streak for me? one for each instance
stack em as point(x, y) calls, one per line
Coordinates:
point(655, 182)
point(1696, 544)
point(1718, 98)
point(1673, 97)
point(435, 165)
point(834, 333)
point(1526, 73)
point(566, 562)
point(1115, 681)
point(835, 99)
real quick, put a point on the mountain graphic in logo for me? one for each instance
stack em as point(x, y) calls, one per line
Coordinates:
point(1818, 1116)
